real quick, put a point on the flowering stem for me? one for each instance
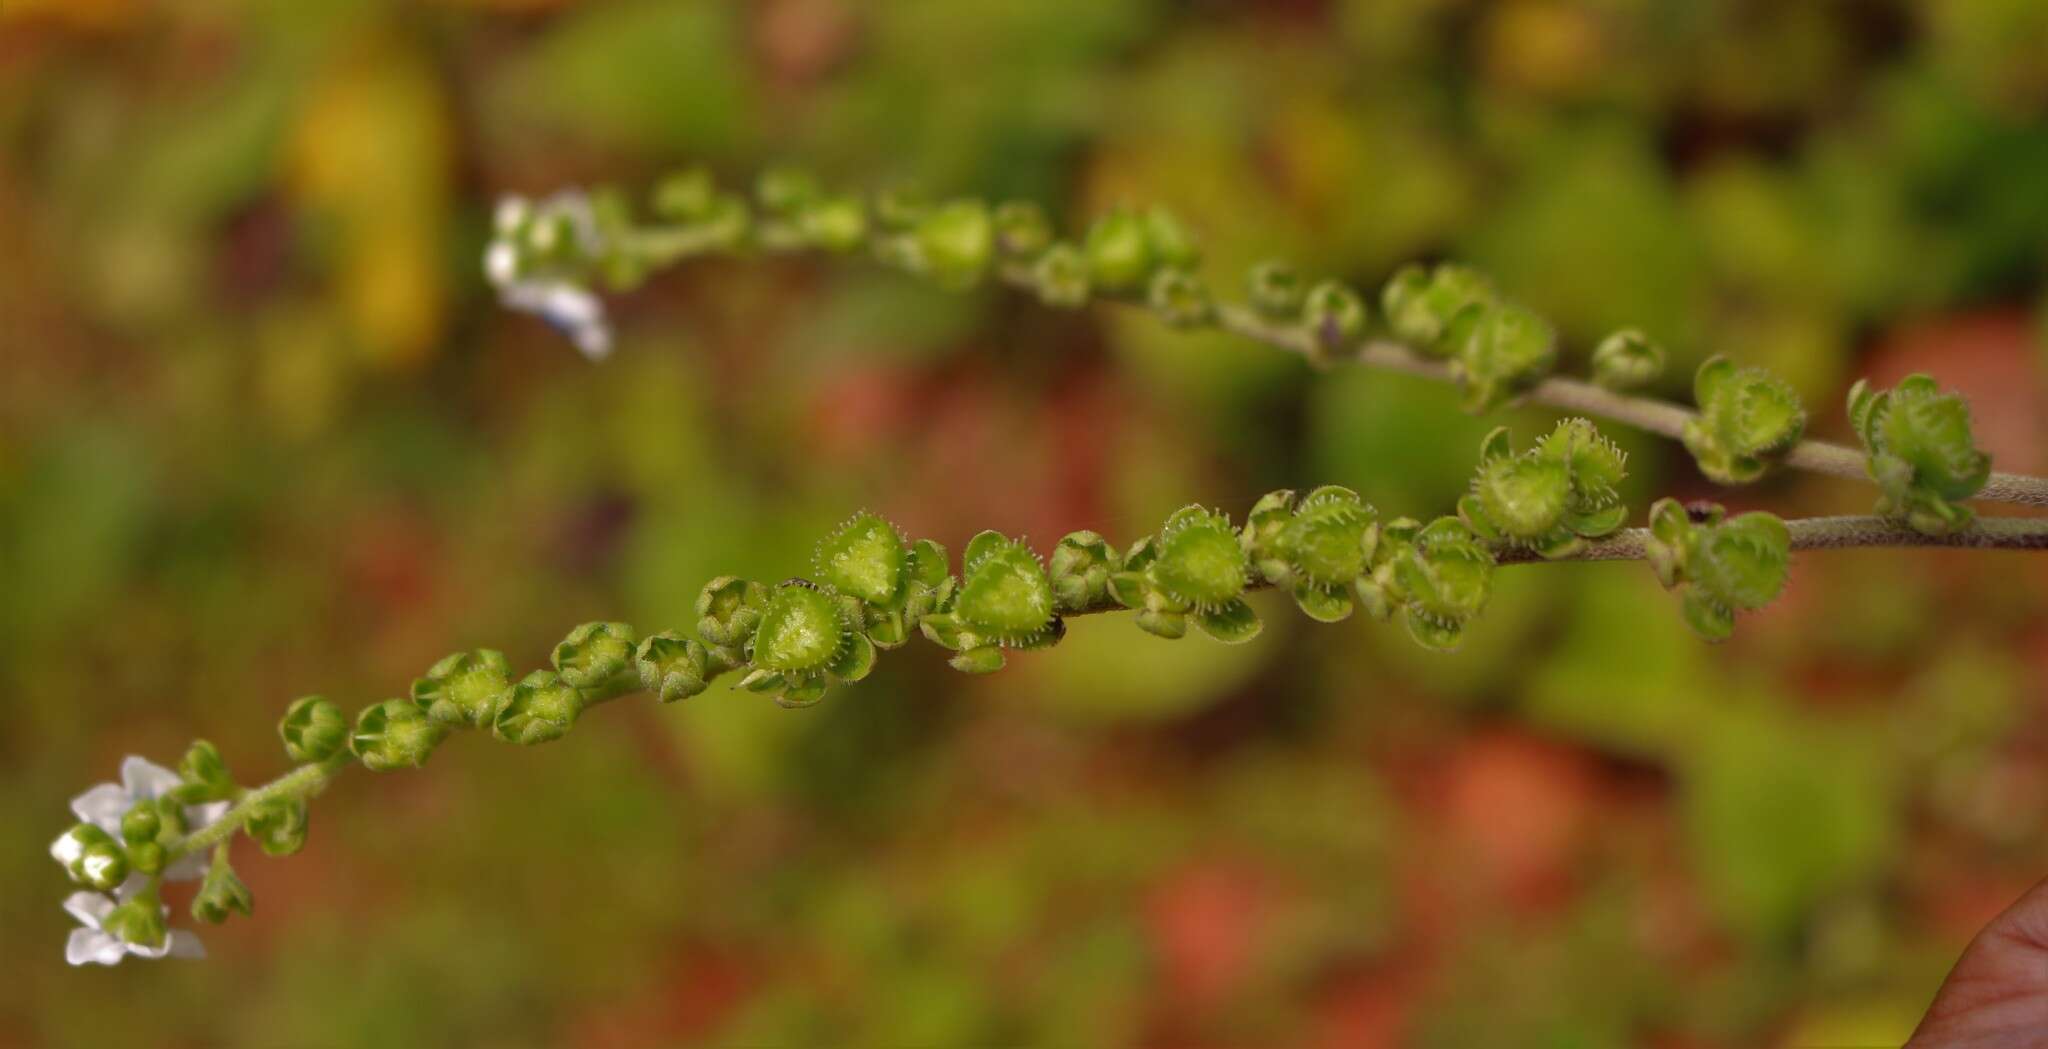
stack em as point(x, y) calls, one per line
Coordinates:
point(302, 782)
point(1808, 533)
point(1644, 413)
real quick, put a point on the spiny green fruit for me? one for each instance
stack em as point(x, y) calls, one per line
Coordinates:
point(1328, 543)
point(1440, 576)
point(808, 638)
point(595, 655)
point(1421, 304)
point(395, 734)
point(1747, 418)
point(866, 557)
point(1004, 600)
point(1499, 350)
point(956, 244)
point(1627, 360)
point(1004, 593)
point(1923, 454)
point(1119, 252)
point(1721, 567)
point(1200, 560)
point(541, 708)
point(1550, 498)
point(463, 689)
point(1200, 565)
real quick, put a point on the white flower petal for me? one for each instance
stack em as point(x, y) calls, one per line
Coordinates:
point(199, 817)
point(595, 340)
point(90, 908)
point(184, 944)
point(66, 850)
point(103, 806)
point(146, 779)
point(501, 263)
point(511, 211)
point(93, 947)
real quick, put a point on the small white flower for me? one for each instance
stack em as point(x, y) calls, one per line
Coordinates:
point(92, 945)
point(566, 305)
point(105, 804)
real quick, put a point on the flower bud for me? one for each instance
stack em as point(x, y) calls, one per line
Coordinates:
point(1119, 252)
point(1276, 290)
point(205, 776)
point(1022, 230)
point(91, 856)
point(834, 223)
point(685, 196)
point(1627, 360)
point(221, 894)
point(141, 823)
point(1442, 578)
point(138, 920)
point(1420, 305)
point(1081, 566)
point(1499, 352)
point(1062, 277)
point(672, 666)
point(1169, 241)
point(728, 609)
point(595, 656)
point(784, 190)
point(539, 709)
point(1180, 299)
point(1719, 567)
point(1747, 419)
point(464, 688)
point(900, 208)
point(1922, 453)
point(395, 734)
point(1335, 315)
point(313, 729)
point(279, 825)
point(956, 244)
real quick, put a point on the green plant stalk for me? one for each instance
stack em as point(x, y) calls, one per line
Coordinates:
point(302, 782)
point(1812, 533)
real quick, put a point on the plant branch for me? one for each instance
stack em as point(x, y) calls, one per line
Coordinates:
point(302, 782)
point(1643, 413)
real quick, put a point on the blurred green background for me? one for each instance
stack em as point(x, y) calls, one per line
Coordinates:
point(263, 432)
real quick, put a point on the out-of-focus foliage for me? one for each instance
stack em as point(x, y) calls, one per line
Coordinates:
point(263, 433)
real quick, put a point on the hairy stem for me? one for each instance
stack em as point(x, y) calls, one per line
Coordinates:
point(302, 782)
point(1644, 413)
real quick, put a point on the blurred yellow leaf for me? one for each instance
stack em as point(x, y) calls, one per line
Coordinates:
point(368, 160)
